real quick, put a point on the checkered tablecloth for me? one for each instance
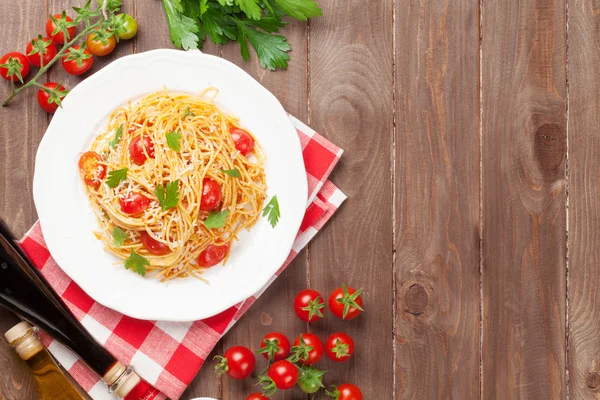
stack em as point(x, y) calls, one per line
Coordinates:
point(168, 355)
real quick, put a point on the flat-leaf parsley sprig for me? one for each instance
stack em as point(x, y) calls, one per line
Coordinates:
point(224, 21)
point(272, 212)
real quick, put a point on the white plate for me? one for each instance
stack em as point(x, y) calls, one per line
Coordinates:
point(68, 221)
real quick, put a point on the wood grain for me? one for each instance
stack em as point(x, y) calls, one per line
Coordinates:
point(437, 200)
point(584, 208)
point(524, 218)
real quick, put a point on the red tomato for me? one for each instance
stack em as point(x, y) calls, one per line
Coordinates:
point(257, 396)
point(345, 302)
point(339, 347)
point(91, 170)
point(213, 255)
point(238, 362)
point(284, 374)
point(101, 42)
point(275, 346)
point(140, 149)
point(211, 195)
point(308, 304)
point(242, 140)
point(347, 391)
point(14, 66)
point(311, 350)
point(40, 49)
point(134, 203)
point(153, 246)
point(63, 21)
point(50, 101)
point(77, 60)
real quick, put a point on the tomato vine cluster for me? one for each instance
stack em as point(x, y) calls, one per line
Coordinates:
point(100, 38)
point(293, 364)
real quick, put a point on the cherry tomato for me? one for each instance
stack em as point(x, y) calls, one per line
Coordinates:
point(77, 60)
point(345, 302)
point(238, 362)
point(257, 396)
point(308, 304)
point(40, 49)
point(275, 346)
point(311, 350)
point(284, 374)
point(347, 391)
point(100, 42)
point(339, 347)
point(211, 195)
point(310, 379)
point(91, 170)
point(213, 255)
point(242, 140)
point(134, 203)
point(153, 246)
point(140, 149)
point(63, 20)
point(50, 101)
point(126, 26)
point(14, 66)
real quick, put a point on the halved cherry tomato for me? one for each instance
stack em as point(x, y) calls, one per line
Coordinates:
point(257, 396)
point(308, 304)
point(63, 20)
point(40, 49)
point(242, 140)
point(140, 149)
point(50, 101)
point(238, 362)
point(91, 170)
point(275, 346)
point(347, 391)
point(153, 246)
point(310, 346)
point(100, 42)
point(345, 302)
point(339, 347)
point(77, 60)
point(14, 66)
point(134, 203)
point(211, 195)
point(213, 255)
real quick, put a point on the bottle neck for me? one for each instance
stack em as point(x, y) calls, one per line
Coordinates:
point(27, 345)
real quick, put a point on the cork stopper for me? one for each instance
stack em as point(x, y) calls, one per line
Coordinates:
point(17, 331)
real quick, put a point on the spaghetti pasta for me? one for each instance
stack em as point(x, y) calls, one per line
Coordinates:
point(173, 180)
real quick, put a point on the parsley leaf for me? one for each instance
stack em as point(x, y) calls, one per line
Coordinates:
point(170, 198)
point(113, 143)
point(119, 236)
point(183, 30)
point(250, 8)
point(115, 177)
point(187, 113)
point(272, 210)
point(234, 173)
point(300, 9)
point(137, 263)
point(271, 49)
point(216, 220)
point(173, 140)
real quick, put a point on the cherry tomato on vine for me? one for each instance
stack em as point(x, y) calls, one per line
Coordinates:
point(238, 362)
point(77, 60)
point(213, 255)
point(91, 169)
point(345, 302)
point(14, 66)
point(310, 379)
point(257, 396)
point(140, 149)
point(281, 375)
point(211, 195)
point(55, 26)
point(40, 50)
point(347, 391)
point(100, 42)
point(308, 304)
point(308, 349)
point(125, 26)
point(50, 98)
point(152, 245)
point(134, 203)
point(242, 140)
point(274, 346)
point(339, 347)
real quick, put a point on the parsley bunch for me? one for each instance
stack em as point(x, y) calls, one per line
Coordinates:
point(224, 21)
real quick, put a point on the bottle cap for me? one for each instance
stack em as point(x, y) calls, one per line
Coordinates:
point(17, 331)
point(127, 385)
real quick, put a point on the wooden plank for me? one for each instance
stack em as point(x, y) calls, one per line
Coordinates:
point(524, 217)
point(584, 213)
point(351, 91)
point(437, 199)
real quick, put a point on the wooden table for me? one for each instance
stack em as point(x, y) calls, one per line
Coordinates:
point(471, 138)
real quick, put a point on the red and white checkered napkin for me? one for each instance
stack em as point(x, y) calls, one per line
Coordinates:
point(169, 354)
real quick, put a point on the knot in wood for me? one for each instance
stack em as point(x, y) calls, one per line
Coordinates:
point(416, 299)
point(550, 148)
point(593, 380)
